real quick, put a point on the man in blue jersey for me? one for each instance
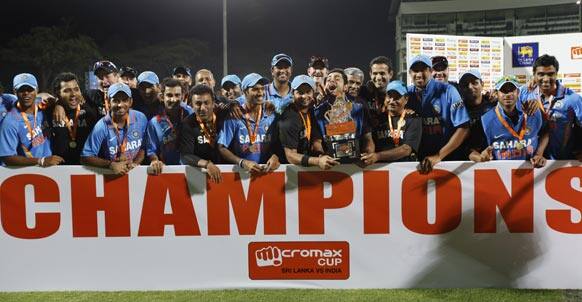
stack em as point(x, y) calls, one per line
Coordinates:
point(24, 132)
point(507, 133)
point(338, 110)
point(444, 117)
point(149, 103)
point(247, 141)
point(117, 141)
point(279, 91)
point(163, 129)
point(560, 106)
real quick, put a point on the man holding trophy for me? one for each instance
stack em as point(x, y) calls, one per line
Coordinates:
point(346, 134)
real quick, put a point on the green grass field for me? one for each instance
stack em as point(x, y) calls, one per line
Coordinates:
point(298, 295)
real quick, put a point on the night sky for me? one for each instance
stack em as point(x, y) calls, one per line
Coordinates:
point(349, 33)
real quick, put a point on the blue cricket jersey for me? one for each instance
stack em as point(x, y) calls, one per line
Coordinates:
point(7, 101)
point(235, 136)
point(280, 101)
point(564, 111)
point(104, 142)
point(16, 139)
point(505, 145)
point(162, 138)
point(442, 111)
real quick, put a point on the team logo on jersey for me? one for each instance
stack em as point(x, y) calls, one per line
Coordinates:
point(135, 134)
point(558, 104)
point(437, 108)
point(524, 54)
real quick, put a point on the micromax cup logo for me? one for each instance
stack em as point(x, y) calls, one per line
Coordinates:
point(299, 260)
point(576, 52)
point(269, 256)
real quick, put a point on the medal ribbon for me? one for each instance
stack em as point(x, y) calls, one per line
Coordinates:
point(396, 135)
point(509, 128)
point(30, 129)
point(546, 113)
point(121, 148)
point(106, 101)
point(209, 133)
point(253, 134)
point(73, 129)
point(307, 125)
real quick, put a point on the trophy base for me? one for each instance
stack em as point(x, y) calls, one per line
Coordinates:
point(345, 151)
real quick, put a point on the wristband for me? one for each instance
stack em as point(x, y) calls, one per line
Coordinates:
point(305, 160)
point(240, 163)
point(41, 162)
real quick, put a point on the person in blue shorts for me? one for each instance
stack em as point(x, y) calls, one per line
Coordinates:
point(246, 141)
point(24, 132)
point(117, 141)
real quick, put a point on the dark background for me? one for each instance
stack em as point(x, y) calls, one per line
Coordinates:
point(157, 35)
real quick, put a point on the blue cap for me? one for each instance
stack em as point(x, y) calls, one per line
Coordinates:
point(253, 79)
point(24, 79)
point(471, 72)
point(302, 79)
point(118, 87)
point(148, 77)
point(232, 78)
point(426, 60)
point(506, 79)
point(281, 57)
point(397, 86)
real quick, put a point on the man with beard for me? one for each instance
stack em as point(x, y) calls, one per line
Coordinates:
point(117, 140)
point(338, 108)
point(444, 116)
point(317, 69)
point(398, 135)
point(247, 141)
point(507, 133)
point(198, 137)
point(279, 91)
point(148, 85)
point(297, 135)
point(107, 74)
point(24, 131)
point(355, 80)
point(561, 107)
point(374, 92)
point(230, 87)
point(69, 136)
point(163, 129)
point(128, 76)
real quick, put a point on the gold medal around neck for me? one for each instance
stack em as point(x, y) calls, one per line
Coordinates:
point(73, 144)
point(519, 146)
point(254, 148)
